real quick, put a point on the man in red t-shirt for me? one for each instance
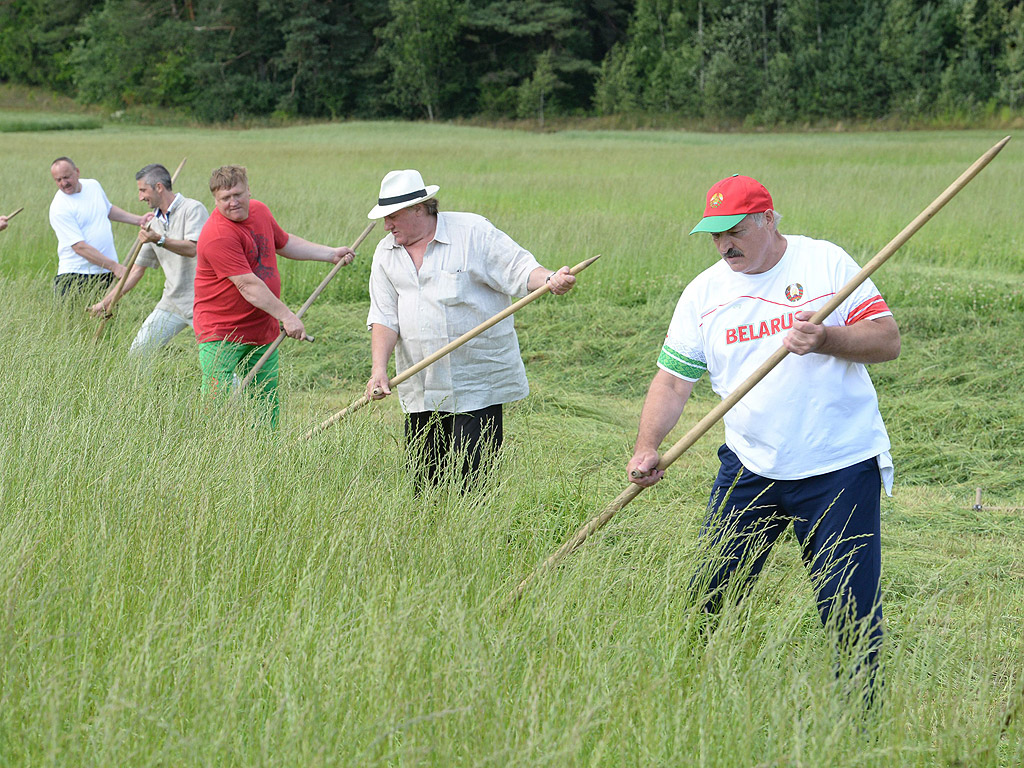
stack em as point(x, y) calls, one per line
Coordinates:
point(238, 305)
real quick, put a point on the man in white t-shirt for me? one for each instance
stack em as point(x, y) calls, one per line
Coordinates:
point(807, 443)
point(434, 277)
point(80, 216)
point(170, 244)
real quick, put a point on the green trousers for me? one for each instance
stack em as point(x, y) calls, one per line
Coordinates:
point(221, 360)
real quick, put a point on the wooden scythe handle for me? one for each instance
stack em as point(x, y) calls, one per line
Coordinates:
point(128, 264)
point(447, 348)
point(302, 310)
point(734, 397)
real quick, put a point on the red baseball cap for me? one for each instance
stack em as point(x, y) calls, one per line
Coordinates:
point(730, 200)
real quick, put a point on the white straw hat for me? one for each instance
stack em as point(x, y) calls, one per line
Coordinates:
point(401, 189)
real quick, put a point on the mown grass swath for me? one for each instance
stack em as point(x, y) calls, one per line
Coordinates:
point(179, 588)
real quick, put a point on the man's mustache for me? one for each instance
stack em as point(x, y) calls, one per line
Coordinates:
point(732, 252)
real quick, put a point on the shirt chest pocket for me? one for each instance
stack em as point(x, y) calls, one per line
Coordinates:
point(452, 288)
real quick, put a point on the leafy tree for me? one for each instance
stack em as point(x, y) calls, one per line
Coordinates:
point(305, 60)
point(36, 37)
point(419, 49)
point(327, 62)
point(618, 84)
point(505, 37)
point(915, 41)
point(970, 78)
point(735, 43)
point(133, 52)
point(665, 56)
point(847, 78)
point(1011, 61)
point(677, 82)
point(759, 61)
point(539, 88)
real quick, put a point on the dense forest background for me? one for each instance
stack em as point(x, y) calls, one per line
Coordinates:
point(750, 62)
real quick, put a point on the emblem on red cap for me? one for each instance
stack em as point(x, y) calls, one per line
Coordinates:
point(716, 199)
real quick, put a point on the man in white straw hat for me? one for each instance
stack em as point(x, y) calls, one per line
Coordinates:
point(434, 277)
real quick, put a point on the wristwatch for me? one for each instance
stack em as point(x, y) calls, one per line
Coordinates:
point(160, 242)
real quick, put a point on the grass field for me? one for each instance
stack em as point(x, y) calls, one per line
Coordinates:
point(179, 589)
point(41, 121)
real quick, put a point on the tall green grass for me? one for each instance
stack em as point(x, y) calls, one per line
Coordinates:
point(44, 121)
point(182, 589)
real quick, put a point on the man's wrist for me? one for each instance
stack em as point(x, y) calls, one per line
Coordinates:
point(822, 348)
point(161, 241)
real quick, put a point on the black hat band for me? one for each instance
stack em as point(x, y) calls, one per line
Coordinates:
point(401, 198)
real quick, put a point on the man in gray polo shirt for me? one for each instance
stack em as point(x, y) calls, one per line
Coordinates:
point(434, 277)
point(170, 243)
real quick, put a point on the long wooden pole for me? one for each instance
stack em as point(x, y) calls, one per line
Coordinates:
point(447, 348)
point(128, 264)
point(734, 397)
point(14, 213)
point(302, 310)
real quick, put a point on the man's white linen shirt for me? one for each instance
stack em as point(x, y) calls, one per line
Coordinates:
point(469, 272)
point(184, 221)
point(812, 413)
point(82, 217)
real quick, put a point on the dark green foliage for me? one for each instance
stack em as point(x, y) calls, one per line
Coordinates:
point(505, 39)
point(773, 61)
point(35, 38)
point(132, 52)
point(419, 45)
point(752, 62)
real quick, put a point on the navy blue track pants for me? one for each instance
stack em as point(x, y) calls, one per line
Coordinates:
point(835, 518)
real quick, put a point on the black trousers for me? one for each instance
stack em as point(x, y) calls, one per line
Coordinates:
point(71, 284)
point(449, 443)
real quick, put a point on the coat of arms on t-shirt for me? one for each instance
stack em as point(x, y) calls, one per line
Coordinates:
point(794, 292)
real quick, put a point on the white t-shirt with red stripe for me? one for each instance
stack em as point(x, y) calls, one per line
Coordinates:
point(811, 414)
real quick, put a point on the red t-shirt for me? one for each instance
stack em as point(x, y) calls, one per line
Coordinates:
point(227, 248)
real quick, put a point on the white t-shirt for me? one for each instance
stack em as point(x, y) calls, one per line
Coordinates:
point(78, 217)
point(184, 221)
point(469, 271)
point(811, 414)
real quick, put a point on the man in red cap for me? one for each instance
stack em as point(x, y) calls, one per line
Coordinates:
point(807, 444)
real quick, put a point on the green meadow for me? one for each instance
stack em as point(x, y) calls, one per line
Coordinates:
point(178, 588)
point(43, 121)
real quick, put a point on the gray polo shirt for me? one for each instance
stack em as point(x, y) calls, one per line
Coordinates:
point(185, 219)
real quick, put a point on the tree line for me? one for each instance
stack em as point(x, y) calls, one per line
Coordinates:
point(759, 62)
